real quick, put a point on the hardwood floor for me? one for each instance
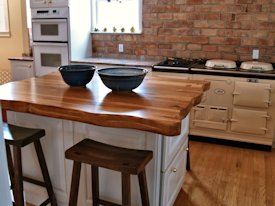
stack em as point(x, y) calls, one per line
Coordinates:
point(228, 176)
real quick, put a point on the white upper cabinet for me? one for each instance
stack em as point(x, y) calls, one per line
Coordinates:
point(48, 3)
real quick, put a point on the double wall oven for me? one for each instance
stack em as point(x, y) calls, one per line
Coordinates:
point(239, 106)
point(50, 39)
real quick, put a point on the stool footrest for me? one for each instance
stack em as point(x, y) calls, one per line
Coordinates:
point(33, 181)
point(46, 202)
point(107, 203)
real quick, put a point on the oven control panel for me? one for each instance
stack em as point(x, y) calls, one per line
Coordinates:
point(49, 13)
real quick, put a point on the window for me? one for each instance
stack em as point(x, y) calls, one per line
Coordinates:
point(117, 16)
point(4, 18)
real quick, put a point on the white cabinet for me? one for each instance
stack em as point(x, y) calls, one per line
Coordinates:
point(48, 3)
point(165, 172)
point(21, 69)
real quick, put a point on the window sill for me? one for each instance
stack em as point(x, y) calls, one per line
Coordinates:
point(101, 32)
point(5, 34)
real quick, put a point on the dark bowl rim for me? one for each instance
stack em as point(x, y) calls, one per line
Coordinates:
point(144, 72)
point(86, 68)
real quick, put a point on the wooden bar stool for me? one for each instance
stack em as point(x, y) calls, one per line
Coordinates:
point(19, 137)
point(126, 161)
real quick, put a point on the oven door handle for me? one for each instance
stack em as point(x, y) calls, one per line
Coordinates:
point(42, 21)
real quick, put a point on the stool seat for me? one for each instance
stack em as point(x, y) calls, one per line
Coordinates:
point(21, 136)
point(18, 137)
point(126, 161)
point(110, 157)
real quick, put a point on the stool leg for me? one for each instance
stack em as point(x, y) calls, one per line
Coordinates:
point(126, 189)
point(188, 167)
point(18, 178)
point(10, 165)
point(45, 172)
point(95, 185)
point(75, 183)
point(143, 188)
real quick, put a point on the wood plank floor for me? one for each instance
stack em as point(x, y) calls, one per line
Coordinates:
point(228, 176)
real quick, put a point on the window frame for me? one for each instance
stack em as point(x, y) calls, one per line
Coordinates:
point(94, 17)
point(6, 32)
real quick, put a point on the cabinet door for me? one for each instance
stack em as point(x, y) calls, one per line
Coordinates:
point(38, 3)
point(173, 177)
point(252, 94)
point(58, 3)
point(171, 145)
point(249, 121)
point(48, 3)
point(21, 70)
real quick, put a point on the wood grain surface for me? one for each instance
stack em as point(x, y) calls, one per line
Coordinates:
point(228, 176)
point(158, 105)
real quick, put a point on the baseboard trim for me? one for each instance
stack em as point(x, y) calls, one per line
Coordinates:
point(231, 143)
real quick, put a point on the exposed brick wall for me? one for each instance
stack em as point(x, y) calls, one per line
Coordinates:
point(227, 29)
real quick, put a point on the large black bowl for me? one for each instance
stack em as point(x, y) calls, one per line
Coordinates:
point(122, 78)
point(77, 75)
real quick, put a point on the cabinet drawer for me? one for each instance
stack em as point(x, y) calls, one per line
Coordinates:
point(173, 177)
point(252, 94)
point(249, 121)
point(171, 145)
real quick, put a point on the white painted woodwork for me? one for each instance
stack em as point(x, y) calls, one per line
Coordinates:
point(48, 3)
point(62, 134)
point(21, 69)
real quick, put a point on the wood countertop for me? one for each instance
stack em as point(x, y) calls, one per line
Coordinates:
point(158, 105)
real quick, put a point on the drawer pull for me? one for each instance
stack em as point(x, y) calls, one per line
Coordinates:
point(174, 170)
point(187, 149)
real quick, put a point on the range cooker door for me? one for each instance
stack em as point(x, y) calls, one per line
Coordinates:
point(249, 121)
point(252, 94)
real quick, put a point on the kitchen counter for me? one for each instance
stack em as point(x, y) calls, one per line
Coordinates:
point(153, 117)
point(22, 58)
point(116, 61)
point(158, 105)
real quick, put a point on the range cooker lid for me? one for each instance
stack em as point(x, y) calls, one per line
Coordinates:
point(256, 66)
point(221, 64)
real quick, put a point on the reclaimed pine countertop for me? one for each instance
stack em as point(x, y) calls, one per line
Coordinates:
point(158, 105)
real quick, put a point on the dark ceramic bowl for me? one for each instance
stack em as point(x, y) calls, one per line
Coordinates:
point(77, 75)
point(122, 78)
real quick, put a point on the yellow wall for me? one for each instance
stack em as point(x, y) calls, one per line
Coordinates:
point(17, 43)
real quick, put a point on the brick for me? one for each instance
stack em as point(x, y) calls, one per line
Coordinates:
point(211, 48)
point(194, 1)
point(177, 24)
point(165, 46)
point(165, 16)
point(209, 32)
point(193, 47)
point(213, 55)
point(243, 50)
point(200, 39)
point(230, 56)
point(180, 16)
point(139, 52)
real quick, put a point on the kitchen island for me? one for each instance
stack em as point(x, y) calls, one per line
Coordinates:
point(154, 116)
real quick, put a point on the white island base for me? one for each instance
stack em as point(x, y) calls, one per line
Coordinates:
point(165, 172)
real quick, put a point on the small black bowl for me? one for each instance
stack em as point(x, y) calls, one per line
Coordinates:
point(122, 78)
point(77, 75)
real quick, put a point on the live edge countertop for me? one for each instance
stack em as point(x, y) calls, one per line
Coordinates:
point(158, 105)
